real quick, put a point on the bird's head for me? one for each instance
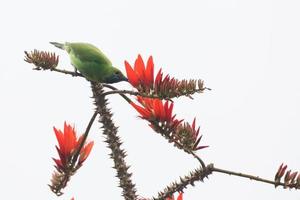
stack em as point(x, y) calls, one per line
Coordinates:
point(115, 76)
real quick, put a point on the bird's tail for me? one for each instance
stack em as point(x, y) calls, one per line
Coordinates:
point(58, 45)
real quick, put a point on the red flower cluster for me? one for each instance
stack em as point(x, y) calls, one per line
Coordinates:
point(72, 153)
point(155, 109)
point(157, 112)
point(141, 77)
point(291, 180)
point(69, 144)
point(162, 120)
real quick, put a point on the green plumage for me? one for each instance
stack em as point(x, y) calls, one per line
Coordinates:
point(91, 62)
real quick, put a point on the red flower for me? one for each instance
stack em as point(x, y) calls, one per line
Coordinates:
point(155, 111)
point(141, 76)
point(159, 114)
point(178, 198)
point(68, 145)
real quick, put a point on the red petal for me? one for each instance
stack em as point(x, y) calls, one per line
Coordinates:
point(162, 111)
point(280, 167)
point(166, 79)
point(158, 78)
point(156, 108)
point(168, 198)
point(201, 147)
point(145, 113)
point(293, 176)
point(131, 75)
point(169, 112)
point(61, 156)
point(282, 171)
point(58, 163)
point(85, 152)
point(150, 72)
point(148, 103)
point(194, 124)
point(69, 139)
point(139, 68)
point(78, 142)
point(180, 196)
point(60, 138)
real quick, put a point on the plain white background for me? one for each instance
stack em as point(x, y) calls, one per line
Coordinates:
point(246, 51)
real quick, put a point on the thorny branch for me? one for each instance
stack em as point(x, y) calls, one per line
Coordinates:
point(251, 177)
point(116, 91)
point(49, 61)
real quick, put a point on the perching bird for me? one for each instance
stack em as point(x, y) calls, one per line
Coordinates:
point(91, 62)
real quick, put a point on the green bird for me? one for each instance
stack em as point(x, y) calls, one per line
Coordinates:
point(91, 62)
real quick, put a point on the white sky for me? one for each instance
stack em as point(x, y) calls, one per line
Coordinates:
point(246, 51)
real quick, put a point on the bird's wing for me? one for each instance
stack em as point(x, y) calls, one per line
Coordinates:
point(88, 53)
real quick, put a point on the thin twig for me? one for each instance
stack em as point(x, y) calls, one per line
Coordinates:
point(115, 89)
point(199, 159)
point(73, 73)
point(135, 94)
point(251, 177)
point(179, 146)
point(86, 133)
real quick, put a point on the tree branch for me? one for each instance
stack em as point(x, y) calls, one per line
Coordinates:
point(251, 177)
point(86, 133)
point(134, 93)
point(72, 73)
point(110, 131)
point(76, 74)
point(196, 175)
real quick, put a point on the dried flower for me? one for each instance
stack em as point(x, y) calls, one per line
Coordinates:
point(72, 153)
point(280, 172)
point(68, 145)
point(142, 78)
point(42, 59)
point(187, 136)
point(291, 179)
